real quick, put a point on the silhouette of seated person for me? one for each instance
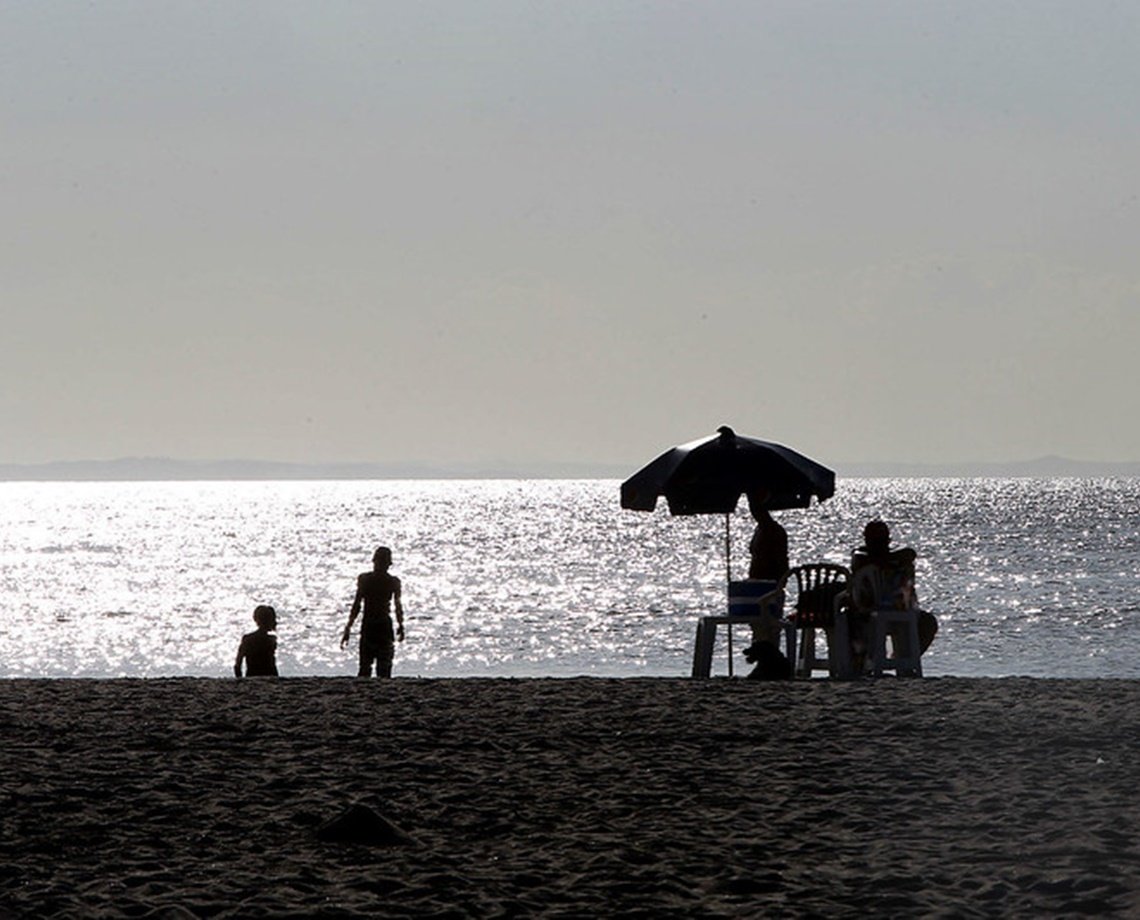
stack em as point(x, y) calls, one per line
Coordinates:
point(258, 649)
point(882, 577)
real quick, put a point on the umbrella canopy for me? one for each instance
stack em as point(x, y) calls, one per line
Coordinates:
point(708, 476)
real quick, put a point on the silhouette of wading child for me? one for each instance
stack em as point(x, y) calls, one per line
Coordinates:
point(258, 649)
point(377, 592)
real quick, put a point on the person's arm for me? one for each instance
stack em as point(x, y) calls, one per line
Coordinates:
point(240, 656)
point(399, 609)
point(908, 595)
point(862, 588)
point(352, 615)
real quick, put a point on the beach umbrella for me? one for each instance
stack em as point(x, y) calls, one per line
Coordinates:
point(708, 476)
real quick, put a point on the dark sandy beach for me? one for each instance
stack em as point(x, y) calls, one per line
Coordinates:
point(570, 798)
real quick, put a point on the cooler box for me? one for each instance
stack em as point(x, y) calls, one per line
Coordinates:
point(744, 597)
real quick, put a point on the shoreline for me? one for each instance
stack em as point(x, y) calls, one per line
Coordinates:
point(195, 797)
point(717, 679)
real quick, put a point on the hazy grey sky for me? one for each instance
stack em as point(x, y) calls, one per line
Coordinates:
point(569, 231)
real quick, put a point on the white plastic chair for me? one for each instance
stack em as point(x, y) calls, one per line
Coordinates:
point(746, 607)
point(818, 604)
point(893, 619)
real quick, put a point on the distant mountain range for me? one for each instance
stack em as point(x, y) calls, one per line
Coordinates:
point(141, 469)
point(1042, 467)
point(165, 469)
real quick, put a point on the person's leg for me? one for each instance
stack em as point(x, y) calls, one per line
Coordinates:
point(767, 629)
point(366, 656)
point(927, 630)
point(859, 625)
point(384, 661)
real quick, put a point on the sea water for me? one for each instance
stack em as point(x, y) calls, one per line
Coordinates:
point(537, 578)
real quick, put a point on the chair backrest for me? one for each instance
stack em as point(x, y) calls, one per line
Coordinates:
point(817, 584)
point(885, 583)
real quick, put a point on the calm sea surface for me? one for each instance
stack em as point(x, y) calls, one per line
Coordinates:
point(536, 578)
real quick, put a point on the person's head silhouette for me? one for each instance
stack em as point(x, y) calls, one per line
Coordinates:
point(265, 617)
point(758, 505)
point(877, 538)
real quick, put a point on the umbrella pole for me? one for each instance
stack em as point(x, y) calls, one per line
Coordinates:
point(728, 580)
point(727, 554)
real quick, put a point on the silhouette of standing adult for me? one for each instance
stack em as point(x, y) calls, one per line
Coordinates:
point(377, 592)
point(768, 547)
point(258, 649)
point(768, 550)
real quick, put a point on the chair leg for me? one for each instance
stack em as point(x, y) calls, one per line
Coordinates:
point(703, 650)
point(905, 658)
point(790, 645)
point(839, 649)
point(806, 653)
point(879, 648)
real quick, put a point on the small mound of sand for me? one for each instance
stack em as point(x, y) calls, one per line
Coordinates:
point(360, 824)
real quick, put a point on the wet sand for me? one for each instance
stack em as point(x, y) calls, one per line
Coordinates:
point(570, 798)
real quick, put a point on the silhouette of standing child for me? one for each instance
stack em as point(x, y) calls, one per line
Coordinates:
point(377, 591)
point(259, 648)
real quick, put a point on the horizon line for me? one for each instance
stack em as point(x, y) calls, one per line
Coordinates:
point(158, 468)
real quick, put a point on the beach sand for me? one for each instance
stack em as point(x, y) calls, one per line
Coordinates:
point(570, 798)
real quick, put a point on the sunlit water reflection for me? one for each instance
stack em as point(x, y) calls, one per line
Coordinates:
point(536, 578)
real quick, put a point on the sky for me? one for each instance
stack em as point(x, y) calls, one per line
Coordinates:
point(466, 233)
